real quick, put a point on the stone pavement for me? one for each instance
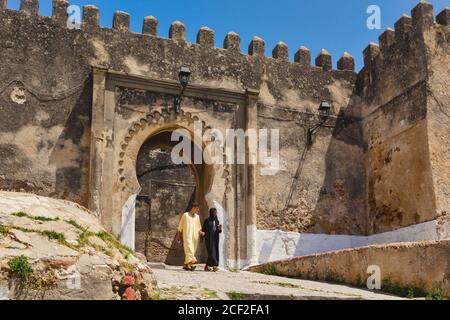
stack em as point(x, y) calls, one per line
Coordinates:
point(174, 283)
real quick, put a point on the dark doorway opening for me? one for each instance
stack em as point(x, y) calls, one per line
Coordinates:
point(168, 190)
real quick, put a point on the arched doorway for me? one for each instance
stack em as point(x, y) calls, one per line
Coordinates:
point(213, 181)
point(167, 191)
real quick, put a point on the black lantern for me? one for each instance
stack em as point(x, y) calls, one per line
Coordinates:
point(324, 114)
point(324, 110)
point(184, 75)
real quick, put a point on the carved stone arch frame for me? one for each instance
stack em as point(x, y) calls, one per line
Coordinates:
point(113, 184)
point(141, 131)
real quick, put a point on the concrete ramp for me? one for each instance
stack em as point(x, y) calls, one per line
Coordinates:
point(414, 269)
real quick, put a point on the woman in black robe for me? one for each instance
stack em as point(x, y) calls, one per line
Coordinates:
point(212, 229)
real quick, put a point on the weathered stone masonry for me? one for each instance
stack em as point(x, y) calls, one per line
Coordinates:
point(72, 122)
point(404, 97)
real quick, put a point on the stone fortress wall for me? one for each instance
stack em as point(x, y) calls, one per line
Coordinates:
point(379, 165)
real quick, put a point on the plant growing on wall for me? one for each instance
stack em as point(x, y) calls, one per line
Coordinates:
point(20, 267)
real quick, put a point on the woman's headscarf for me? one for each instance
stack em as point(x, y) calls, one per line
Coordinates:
point(213, 215)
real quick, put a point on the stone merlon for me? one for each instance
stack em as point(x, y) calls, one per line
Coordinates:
point(403, 27)
point(324, 60)
point(303, 56)
point(150, 26)
point(443, 17)
point(280, 51)
point(91, 16)
point(257, 47)
point(177, 31)
point(346, 62)
point(386, 39)
point(205, 37)
point(232, 42)
point(30, 7)
point(370, 52)
point(59, 11)
point(121, 21)
point(422, 15)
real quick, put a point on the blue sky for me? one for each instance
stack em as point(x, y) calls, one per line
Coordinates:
point(336, 25)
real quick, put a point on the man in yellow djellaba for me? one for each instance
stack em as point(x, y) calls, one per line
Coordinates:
point(190, 229)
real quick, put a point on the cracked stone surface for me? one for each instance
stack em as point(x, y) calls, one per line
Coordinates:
point(174, 284)
point(65, 253)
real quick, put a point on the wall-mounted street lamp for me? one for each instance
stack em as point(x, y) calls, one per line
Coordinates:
point(324, 114)
point(184, 75)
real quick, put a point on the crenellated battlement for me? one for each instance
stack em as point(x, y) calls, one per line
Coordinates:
point(402, 53)
point(407, 28)
point(177, 33)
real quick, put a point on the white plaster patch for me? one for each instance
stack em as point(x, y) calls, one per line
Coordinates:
point(265, 96)
point(42, 116)
point(127, 230)
point(101, 53)
point(340, 95)
point(227, 84)
point(18, 95)
point(291, 98)
point(135, 67)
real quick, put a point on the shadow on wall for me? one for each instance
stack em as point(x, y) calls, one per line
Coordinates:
point(341, 205)
point(70, 156)
point(339, 214)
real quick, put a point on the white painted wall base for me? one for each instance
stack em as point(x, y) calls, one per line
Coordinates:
point(252, 249)
point(265, 246)
point(237, 264)
point(279, 245)
point(127, 230)
point(222, 216)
